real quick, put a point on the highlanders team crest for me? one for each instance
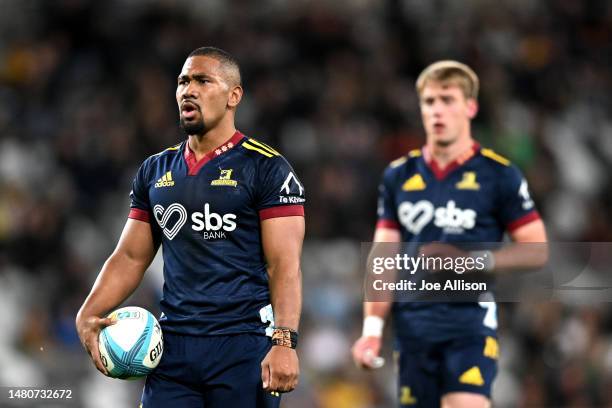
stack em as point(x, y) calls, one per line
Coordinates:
point(225, 179)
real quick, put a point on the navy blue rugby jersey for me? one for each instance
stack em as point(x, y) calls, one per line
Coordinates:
point(475, 199)
point(207, 215)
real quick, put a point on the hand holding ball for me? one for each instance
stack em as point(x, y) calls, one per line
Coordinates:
point(132, 347)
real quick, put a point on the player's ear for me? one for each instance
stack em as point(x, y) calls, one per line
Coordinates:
point(472, 107)
point(235, 96)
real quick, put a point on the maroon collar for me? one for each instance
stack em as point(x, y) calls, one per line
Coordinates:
point(194, 165)
point(441, 173)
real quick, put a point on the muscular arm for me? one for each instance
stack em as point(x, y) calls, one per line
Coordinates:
point(282, 244)
point(119, 277)
point(521, 256)
point(123, 270)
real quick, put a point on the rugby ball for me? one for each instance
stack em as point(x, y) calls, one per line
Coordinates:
point(132, 347)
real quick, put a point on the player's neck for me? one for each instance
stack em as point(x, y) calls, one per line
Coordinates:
point(445, 155)
point(206, 143)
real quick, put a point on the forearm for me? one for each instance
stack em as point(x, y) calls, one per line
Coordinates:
point(529, 250)
point(286, 294)
point(386, 244)
point(117, 280)
point(378, 309)
point(520, 256)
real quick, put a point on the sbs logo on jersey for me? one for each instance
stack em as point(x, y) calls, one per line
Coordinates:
point(211, 224)
point(453, 220)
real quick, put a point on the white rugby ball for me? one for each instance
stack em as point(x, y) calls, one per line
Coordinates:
point(132, 347)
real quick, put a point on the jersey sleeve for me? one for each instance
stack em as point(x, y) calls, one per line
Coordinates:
point(387, 214)
point(281, 193)
point(516, 206)
point(140, 208)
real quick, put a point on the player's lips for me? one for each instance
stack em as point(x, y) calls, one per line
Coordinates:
point(189, 109)
point(439, 127)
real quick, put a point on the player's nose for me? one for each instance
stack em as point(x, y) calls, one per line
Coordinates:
point(189, 92)
point(436, 109)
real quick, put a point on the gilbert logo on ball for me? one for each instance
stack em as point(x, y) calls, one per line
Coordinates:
point(132, 347)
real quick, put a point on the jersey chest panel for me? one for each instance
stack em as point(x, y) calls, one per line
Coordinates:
point(460, 207)
point(211, 204)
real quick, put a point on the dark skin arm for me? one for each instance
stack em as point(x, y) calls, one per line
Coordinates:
point(120, 276)
point(282, 240)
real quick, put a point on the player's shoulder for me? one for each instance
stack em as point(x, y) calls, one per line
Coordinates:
point(499, 165)
point(263, 155)
point(147, 166)
point(494, 159)
point(169, 151)
point(406, 160)
point(258, 149)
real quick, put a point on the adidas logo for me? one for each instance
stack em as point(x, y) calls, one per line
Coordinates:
point(473, 376)
point(414, 183)
point(165, 180)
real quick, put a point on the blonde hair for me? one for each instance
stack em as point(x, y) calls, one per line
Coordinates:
point(449, 71)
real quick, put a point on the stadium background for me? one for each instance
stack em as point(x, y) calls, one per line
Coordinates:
point(87, 92)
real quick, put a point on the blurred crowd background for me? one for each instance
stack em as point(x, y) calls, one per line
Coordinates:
point(87, 93)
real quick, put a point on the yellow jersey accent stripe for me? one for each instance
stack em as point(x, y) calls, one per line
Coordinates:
point(494, 156)
point(251, 147)
point(264, 146)
point(398, 162)
point(414, 153)
point(271, 148)
point(168, 149)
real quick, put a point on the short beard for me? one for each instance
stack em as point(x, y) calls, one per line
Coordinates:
point(444, 143)
point(193, 128)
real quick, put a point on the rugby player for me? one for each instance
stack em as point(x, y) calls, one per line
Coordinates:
point(228, 212)
point(450, 191)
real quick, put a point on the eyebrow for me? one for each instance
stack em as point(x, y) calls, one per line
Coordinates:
point(197, 75)
point(431, 98)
